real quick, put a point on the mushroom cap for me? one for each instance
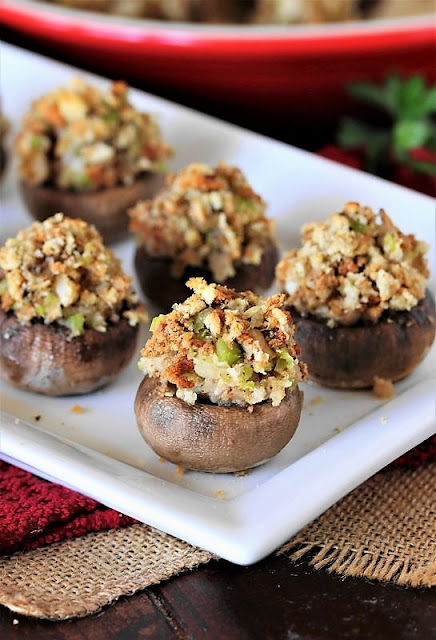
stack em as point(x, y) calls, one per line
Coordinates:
point(3, 160)
point(106, 208)
point(351, 357)
point(161, 288)
point(46, 359)
point(208, 437)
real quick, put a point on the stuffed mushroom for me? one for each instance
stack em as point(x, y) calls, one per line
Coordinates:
point(357, 293)
point(90, 153)
point(208, 223)
point(220, 392)
point(68, 317)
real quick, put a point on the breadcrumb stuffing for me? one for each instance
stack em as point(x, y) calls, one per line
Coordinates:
point(383, 389)
point(354, 266)
point(208, 217)
point(82, 138)
point(230, 348)
point(60, 271)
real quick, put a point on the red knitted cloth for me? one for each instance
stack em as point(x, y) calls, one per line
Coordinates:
point(34, 512)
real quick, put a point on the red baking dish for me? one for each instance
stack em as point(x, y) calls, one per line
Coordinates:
point(300, 69)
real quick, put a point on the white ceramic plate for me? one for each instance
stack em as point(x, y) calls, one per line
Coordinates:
point(343, 437)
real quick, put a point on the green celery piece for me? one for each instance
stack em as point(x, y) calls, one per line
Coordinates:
point(39, 310)
point(246, 373)
point(390, 243)
point(35, 142)
point(3, 285)
point(358, 226)
point(229, 353)
point(76, 323)
point(160, 167)
point(81, 180)
point(111, 116)
point(156, 321)
point(244, 378)
point(52, 302)
point(284, 360)
point(199, 327)
point(248, 386)
point(243, 202)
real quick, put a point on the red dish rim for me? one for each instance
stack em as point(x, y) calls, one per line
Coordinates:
point(211, 40)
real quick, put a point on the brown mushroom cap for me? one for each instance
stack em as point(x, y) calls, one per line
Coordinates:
point(3, 160)
point(45, 359)
point(106, 208)
point(159, 286)
point(351, 357)
point(207, 437)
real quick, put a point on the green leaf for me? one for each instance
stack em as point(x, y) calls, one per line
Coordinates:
point(353, 133)
point(385, 96)
point(410, 97)
point(419, 165)
point(402, 99)
point(408, 134)
point(428, 105)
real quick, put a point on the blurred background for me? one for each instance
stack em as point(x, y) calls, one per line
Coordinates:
point(351, 79)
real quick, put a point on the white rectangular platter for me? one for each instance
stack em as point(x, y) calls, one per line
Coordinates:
point(343, 437)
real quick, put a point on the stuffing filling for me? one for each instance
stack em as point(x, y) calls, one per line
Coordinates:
point(208, 217)
point(81, 138)
point(60, 271)
point(354, 266)
point(226, 347)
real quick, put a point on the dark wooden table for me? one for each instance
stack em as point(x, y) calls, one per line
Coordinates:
point(273, 599)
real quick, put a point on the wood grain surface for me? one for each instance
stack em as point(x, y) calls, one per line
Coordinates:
point(271, 600)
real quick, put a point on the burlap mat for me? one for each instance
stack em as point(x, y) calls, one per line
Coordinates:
point(384, 530)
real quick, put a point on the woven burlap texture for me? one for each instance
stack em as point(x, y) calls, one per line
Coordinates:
point(75, 578)
point(383, 530)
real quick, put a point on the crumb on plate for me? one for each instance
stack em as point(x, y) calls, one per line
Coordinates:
point(77, 408)
point(316, 401)
point(383, 389)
